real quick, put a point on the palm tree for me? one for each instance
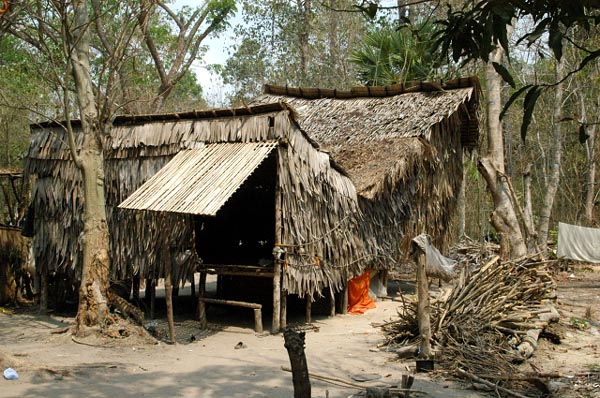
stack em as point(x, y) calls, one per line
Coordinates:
point(389, 55)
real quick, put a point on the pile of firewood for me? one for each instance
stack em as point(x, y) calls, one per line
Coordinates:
point(491, 319)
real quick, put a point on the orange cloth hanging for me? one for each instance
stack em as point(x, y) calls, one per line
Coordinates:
point(358, 294)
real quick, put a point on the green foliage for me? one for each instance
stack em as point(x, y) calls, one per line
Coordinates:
point(20, 88)
point(473, 30)
point(578, 323)
point(292, 43)
point(391, 55)
point(218, 10)
point(246, 69)
point(187, 95)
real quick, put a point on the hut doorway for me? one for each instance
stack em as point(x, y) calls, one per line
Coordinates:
point(237, 245)
point(243, 230)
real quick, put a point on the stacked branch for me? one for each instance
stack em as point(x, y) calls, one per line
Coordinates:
point(491, 319)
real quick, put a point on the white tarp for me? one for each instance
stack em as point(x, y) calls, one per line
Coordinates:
point(436, 264)
point(579, 243)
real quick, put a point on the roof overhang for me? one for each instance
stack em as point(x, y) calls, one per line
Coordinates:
point(200, 181)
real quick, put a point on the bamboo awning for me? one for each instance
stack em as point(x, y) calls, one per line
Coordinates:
point(200, 181)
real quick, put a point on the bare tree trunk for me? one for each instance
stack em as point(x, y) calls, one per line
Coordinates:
point(462, 206)
point(304, 10)
point(528, 204)
point(585, 214)
point(93, 304)
point(554, 175)
point(4, 124)
point(491, 167)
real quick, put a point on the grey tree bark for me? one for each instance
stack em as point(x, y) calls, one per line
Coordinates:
point(188, 44)
point(556, 160)
point(462, 205)
point(93, 304)
point(586, 212)
point(491, 167)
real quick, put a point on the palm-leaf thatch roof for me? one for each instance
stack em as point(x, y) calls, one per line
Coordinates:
point(401, 145)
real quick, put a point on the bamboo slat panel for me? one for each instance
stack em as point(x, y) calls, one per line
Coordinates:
point(200, 181)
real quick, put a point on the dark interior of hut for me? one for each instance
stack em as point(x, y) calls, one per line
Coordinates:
point(243, 234)
point(243, 231)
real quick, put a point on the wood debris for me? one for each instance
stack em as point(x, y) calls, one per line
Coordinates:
point(491, 319)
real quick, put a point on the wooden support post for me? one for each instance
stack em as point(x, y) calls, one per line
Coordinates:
point(44, 289)
point(193, 285)
point(152, 297)
point(148, 290)
point(169, 295)
point(423, 309)
point(345, 299)
point(201, 303)
point(258, 327)
point(276, 297)
point(308, 309)
point(276, 327)
point(331, 302)
point(135, 286)
point(294, 343)
point(283, 319)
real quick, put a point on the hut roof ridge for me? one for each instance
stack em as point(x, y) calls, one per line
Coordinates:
point(373, 91)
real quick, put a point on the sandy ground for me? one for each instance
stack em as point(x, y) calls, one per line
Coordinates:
point(344, 347)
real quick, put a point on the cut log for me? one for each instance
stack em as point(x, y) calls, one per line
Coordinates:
point(125, 307)
point(294, 343)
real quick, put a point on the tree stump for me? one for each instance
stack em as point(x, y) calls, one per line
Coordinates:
point(294, 343)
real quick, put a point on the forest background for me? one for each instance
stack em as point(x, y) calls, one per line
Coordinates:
point(330, 44)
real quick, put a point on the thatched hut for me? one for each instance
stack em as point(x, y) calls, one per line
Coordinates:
point(13, 246)
point(402, 148)
point(256, 181)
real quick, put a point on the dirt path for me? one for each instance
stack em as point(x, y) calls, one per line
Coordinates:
point(52, 365)
point(337, 347)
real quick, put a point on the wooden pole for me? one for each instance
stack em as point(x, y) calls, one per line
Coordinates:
point(152, 297)
point(423, 309)
point(294, 343)
point(283, 309)
point(331, 302)
point(258, 326)
point(193, 285)
point(148, 290)
point(169, 295)
point(308, 308)
point(276, 258)
point(276, 297)
point(201, 303)
point(344, 310)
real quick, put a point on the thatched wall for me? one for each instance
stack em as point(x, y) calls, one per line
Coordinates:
point(133, 153)
point(13, 248)
point(13, 258)
point(319, 203)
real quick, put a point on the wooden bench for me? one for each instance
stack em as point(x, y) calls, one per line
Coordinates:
point(258, 327)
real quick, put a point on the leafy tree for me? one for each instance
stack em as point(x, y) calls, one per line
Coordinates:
point(394, 55)
point(297, 43)
point(90, 76)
